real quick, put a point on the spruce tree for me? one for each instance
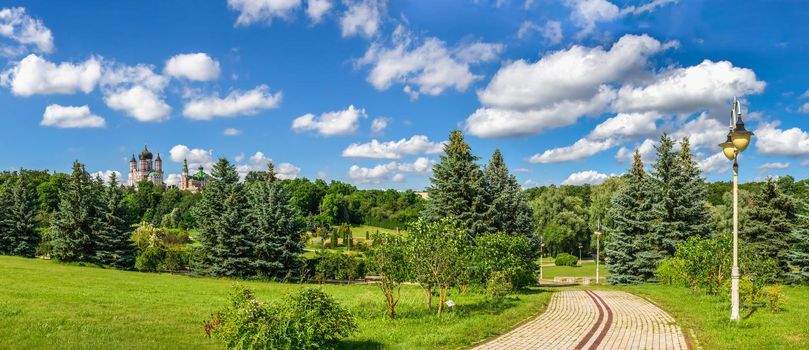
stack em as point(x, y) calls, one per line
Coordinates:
point(666, 231)
point(769, 226)
point(6, 202)
point(690, 198)
point(509, 209)
point(276, 227)
point(113, 245)
point(456, 188)
point(74, 225)
point(18, 218)
point(228, 250)
point(798, 256)
point(629, 260)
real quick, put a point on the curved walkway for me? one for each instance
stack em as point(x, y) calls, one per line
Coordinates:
point(589, 320)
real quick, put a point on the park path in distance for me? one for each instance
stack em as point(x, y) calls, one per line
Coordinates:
point(590, 320)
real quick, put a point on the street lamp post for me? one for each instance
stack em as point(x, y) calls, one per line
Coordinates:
point(598, 249)
point(580, 253)
point(541, 257)
point(737, 141)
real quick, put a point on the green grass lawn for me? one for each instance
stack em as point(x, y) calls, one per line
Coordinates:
point(358, 231)
point(45, 304)
point(708, 317)
point(587, 269)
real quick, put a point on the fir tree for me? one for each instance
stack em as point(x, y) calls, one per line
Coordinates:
point(456, 188)
point(74, 225)
point(626, 249)
point(509, 209)
point(228, 250)
point(19, 220)
point(275, 226)
point(113, 245)
point(798, 256)
point(6, 202)
point(667, 229)
point(690, 198)
point(769, 226)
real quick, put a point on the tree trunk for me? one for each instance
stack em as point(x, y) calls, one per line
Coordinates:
point(428, 293)
point(442, 298)
point(391, 305)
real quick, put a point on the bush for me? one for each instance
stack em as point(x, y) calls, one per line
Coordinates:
point(775, 298)
point(565, 259)
point(309, 320)
point(706, 262)
point(498, 287)
point(504, 254)
point(339, 266)
point(672, 271)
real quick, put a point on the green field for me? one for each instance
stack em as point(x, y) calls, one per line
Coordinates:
point(587, 269)
point(708, 317)
point(46, 304)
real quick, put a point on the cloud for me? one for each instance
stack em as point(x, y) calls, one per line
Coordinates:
point(804, 108)
point(118, 75)
point(583, 148)
point(587, 13)
point(647, 7)
point(173, 180)
point(716, 163)
point(588, 177)
point(418, 144)
point(646, 150)
point(18, 26)
point(107, 174)
point(772, 141)
point(232, 132)
point(363, 17)
point(528, 98)
point(34, 75)
point(627, 125)
point(316, 9)
point(428, 67)
point(193, 66)
point(139, 102)
point(774, 165)
point(504, 122)
point(690, 89)
point(551, 31)
point(258, 162)
point(71, 117)
point(378, 125)
point(236, 103)
point(196, 157)
point(703, 131)
point(262, 11)
point(393, 171)
point(334, 123)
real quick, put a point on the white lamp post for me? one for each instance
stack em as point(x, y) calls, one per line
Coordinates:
point(598, 248)
point(541, 257)
point(737, 142)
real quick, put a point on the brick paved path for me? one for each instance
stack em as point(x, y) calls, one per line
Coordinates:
point(589, 320)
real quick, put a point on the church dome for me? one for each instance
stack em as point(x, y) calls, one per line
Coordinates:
point(145, 154)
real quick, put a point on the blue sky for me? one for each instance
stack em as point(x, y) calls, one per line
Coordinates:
point(566, 89)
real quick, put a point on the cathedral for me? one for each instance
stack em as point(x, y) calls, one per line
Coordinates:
point(194, 181)
point(145, 170)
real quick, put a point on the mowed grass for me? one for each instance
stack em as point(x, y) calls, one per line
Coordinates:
point(46, 305)
point(708, 317)
point(587, 269)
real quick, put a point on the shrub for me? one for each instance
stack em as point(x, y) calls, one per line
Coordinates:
point(775, 297)
point(565, 259)
point(706, 262)
point(309, 320)
point(149, 259)
point(498, 287)
point(504, 254)
point(672, 271)
point(339, 266)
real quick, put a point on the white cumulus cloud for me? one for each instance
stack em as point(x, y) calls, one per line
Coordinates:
point(378, 125)
point(196, 156)
point(417, 144)
point(393, 171)
point(236, 103)
point(363, 17)
point(232, 132)
point(645, 148)
point(262, 11)
point(107, 175)
point(258, 162)
point(716, 163)
point(587, 177)
point(583, 148)
point(193, 66)
point(775, 165)
point(34, 75)
point(139, 102)
point(334, 123)
point(18, 26)
point(772, 141)
point(316, 9)
point(428, 67)
point(71, 117)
